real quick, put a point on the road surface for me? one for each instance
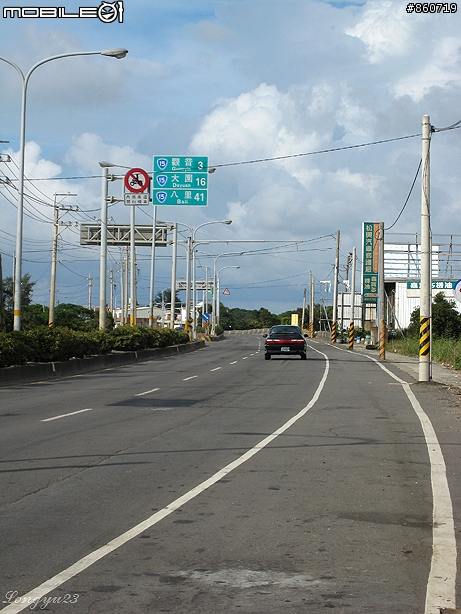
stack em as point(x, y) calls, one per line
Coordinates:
point(218, 482)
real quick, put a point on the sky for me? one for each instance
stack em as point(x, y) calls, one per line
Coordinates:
point(309, 110)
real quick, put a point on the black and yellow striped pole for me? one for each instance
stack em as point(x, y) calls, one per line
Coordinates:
point(334, 332)
point(424, 336)
point(351, 335)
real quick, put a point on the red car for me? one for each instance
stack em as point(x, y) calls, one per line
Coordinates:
point(285, 341)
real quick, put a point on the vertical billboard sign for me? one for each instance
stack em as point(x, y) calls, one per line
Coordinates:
point(370, 262)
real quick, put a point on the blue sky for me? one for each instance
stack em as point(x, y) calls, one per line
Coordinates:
point(235, 80)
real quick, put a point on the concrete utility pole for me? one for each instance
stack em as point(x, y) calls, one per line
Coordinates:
point(425, 309)
point(352, 289)
point(304, 309)
point(174, 252)
point(382, 295)
point(90, 292)
point(54, 254)
point(334, 325)
point(312, 306)
point(2, 300)
point(152, 268)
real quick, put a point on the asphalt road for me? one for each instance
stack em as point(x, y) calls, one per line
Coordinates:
point(218, 482)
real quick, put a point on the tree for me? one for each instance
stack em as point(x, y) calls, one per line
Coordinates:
point(27, 287)
point(76, 317)
point(446, 321)
point(167, 298)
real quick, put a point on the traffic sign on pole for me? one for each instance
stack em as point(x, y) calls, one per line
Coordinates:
point(137, 180)
point(180, 180)
point(458, 290)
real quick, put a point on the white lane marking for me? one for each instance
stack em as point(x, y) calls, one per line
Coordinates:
point(245, 357)
point(216, 369)
point(441, 584)
point(62, 577)
point(140, 394)
point(191, 377)
point(234, 363)
point(65, 415)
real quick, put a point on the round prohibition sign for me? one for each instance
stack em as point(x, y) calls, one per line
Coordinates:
point(137, 180)
point(458, 291)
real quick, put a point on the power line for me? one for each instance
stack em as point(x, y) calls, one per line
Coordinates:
point(320, 151)
point(408, 197)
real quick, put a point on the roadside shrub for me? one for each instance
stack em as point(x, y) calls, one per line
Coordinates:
point(44, 344)
point(13, 349)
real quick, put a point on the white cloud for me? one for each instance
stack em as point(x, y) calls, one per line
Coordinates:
point(384, 28)
point(89, 149)
point(443, 71)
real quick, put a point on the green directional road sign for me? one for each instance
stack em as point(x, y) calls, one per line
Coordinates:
point(180, 180)
point(197, 198)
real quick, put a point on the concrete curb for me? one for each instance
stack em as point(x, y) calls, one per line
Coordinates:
point(34, 372)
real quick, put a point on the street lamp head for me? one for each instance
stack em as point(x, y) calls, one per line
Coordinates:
point(227, 222)
point(118, 53)
point(104, 164)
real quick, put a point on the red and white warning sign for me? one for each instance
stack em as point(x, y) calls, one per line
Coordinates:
point(226, 291)
point(137, 180)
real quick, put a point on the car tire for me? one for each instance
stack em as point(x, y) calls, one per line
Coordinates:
point(267, 356)
point(303, 356)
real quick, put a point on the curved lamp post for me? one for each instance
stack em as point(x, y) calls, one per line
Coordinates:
point(114, 53)
point(216, 320)
point(190, 250)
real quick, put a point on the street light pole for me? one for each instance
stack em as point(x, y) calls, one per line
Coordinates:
point(191, 251)
point(217, 289)
point(117, 53)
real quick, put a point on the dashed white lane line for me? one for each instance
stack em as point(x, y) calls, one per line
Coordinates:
point(245, 357)
point(21, 603)
point(141, 394)
point(191, 377)
point(234, 363)
point(216, 369)
point(80, 411)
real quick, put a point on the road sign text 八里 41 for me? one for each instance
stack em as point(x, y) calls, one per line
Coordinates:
point(180, 180)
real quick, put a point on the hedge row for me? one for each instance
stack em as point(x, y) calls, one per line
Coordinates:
point(45, 344)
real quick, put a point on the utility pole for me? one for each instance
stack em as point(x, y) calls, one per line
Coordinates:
point(2, 300)
point(312, 307)
point(111, 290)
point(54, 253)
point(352, 289)
point(173, 275)
point(382, 294)
point(425, 310)
point(152, 268)
point(334, 325)
point(304, 309)
point(90, 291)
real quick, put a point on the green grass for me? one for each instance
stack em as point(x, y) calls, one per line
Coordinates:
point(447, 352)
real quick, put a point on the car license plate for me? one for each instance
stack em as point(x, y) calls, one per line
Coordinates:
point(285, 349)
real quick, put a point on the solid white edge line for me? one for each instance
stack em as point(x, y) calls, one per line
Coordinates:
point(140, 394)
point(65, 415)
point(441, 584)
point(40, 591)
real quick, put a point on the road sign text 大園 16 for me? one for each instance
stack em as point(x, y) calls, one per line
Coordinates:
point(180, 180)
